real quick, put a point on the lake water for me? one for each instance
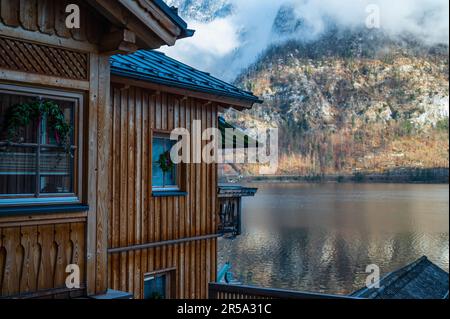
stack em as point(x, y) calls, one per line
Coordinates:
point(321, 237)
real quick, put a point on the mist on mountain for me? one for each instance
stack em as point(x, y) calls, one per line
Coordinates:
point(232, 34)
point(346, 97)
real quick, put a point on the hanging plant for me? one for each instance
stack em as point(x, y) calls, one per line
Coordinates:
point(165, 162)
point(21, 115)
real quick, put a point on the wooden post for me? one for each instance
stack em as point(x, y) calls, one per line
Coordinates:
point(98, 191)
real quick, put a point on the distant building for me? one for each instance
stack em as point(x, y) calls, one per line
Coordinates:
point(420, 280)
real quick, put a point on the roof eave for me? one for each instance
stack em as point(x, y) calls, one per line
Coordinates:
point(127, 74)
point(225, 100)
point(185, 32)
point(153, 22)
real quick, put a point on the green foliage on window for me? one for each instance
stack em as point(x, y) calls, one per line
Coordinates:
point(21, 115)
point(165, 162)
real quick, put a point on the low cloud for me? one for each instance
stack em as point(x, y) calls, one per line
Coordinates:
point(228, 44)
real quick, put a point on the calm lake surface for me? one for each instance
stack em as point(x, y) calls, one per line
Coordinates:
point(321, 237)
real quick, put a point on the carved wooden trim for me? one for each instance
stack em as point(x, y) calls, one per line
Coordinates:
point(35, 58)
point(34, 258)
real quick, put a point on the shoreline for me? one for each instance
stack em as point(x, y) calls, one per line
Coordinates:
point(404, 176)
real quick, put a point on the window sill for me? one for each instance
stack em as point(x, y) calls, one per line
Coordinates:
point(168, 193)
point(24, 210)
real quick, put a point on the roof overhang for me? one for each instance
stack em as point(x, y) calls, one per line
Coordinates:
point(224, 101)
point(239, 140)
point(139, 24)
point(233, 190)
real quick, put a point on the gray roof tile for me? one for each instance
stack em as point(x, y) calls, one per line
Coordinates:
point(419, 280)
point(156, 67)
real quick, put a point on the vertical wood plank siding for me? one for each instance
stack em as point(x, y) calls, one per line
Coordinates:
point(32, 256)
point(138, 218)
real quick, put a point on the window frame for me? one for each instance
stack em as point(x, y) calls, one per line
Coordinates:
point(171, 189)
point(170, 274)
point(39, 198)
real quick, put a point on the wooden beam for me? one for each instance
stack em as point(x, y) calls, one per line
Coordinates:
point(42, 38)
point(160, 16)
point(77, 292)
point(122, 41)
point(40, 79)
point(122, 17)
point(90, 179)
point(161, 243)
point(98, 169)
point(153, 19)
point(47, 219)
point(104, 136)
point(44, 222)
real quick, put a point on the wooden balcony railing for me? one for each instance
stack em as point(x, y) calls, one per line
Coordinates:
point(230, 203)
point(225, 291)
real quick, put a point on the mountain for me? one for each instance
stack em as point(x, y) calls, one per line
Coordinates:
point(202, 10)
point(349, 100)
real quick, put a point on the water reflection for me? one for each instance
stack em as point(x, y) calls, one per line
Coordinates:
point(317, 237)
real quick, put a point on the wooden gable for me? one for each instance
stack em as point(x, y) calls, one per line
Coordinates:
point(152, 27)
point(107, 27)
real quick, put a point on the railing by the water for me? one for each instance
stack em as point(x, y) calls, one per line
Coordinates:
point(225, 291)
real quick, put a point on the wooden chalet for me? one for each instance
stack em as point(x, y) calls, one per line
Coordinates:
point(100, 201)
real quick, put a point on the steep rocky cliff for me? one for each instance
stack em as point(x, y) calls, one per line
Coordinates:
point(202, 10)
point(347, 100)
point(352, 100)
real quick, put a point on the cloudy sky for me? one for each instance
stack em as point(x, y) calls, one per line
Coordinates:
point(226, 45)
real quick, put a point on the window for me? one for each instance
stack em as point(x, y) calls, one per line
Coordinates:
point(163, 180)
point(159, 285)
point(34, 167)
point(155, 287)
